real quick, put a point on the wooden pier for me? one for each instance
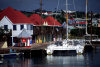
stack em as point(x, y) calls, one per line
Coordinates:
point(33, 47)
point(34, 50)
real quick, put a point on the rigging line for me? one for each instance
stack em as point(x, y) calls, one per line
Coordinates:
point(58, 4)
point(74, 7)
point(86, 16)
point(75, 10)
point(56, 12)
point(66, 19)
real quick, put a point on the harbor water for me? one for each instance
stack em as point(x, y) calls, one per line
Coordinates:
point(88, 59)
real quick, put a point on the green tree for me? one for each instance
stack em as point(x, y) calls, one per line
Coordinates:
point(61, 18)
point(77, 32)
point(3, 35)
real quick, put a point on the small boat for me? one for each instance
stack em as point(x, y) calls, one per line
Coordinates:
point(92, 40)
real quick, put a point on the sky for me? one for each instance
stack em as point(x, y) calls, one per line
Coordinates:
point(30, 5)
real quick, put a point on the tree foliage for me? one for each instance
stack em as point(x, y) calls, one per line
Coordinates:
point(3, 35)
point(61, 17)
point(77, 32)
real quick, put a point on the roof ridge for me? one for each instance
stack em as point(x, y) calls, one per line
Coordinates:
point(53, 21)
point(15, 16)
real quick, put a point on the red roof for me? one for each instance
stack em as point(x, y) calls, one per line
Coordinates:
point(36, 19)
point(81, 23)
point(52, 21)
point(72, 19)
point(15, 16)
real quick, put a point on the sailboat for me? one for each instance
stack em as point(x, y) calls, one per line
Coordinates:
point(91, 39)
point(67, 44)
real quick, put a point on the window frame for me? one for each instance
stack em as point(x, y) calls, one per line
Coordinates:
point(5, 27)
point(21, 26)
point(15, 28)
point(31, 27)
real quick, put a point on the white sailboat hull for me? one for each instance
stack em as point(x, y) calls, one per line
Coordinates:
point(78, 48)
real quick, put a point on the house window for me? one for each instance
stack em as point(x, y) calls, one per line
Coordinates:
point(21, 27)
point(5, 27)
point(14, 27)
point(28, 27)
point(31, 27)
point(76, 25)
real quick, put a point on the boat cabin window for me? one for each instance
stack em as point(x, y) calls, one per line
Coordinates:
point(70, 42)
point(76, 42)
point(88, 37)
point(58, 43)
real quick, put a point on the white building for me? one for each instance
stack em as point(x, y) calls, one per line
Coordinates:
point(14, 20)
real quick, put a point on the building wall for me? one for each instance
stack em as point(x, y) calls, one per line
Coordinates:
point(98, 22)
point(6, 21)
point(18, 31)
point(98, 25)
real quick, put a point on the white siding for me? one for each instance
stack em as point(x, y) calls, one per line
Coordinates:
point(25, 26)
point(18, 31)
point(29, 29)
point(15, 33)
point(6, 21)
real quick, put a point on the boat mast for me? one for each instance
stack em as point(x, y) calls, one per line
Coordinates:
point(86, 18)
point(91, 25)
point(41, 20)
point(66, 19)
point(41, 11)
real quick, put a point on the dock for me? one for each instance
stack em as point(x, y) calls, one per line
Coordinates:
point(34, 46)
point(37, 50)
point(33, 50)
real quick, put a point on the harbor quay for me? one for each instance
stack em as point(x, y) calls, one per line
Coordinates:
point(25, 35)
point(31, 33)
point(34, 50)
point(40, 50)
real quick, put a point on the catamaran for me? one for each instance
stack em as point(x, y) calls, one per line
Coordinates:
point(67, 44)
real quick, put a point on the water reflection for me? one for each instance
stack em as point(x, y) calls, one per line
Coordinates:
point(90, 59)
point(70, 61)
